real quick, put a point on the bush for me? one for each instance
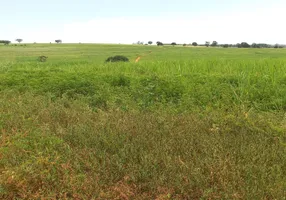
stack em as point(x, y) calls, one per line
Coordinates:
point(42, 58)
point(117, 59)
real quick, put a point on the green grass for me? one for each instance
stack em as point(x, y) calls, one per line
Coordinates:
point(182, 123)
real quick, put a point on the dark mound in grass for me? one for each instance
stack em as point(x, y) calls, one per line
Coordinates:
point(117, 59)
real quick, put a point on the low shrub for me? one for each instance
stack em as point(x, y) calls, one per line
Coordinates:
point(117, 58)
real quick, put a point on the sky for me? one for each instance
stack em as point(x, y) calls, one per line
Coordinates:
point(129, 21)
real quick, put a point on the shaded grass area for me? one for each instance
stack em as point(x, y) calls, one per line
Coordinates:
point(183, 123)
point(64, 149)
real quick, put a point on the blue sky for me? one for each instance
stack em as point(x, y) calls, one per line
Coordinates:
point(128, 21)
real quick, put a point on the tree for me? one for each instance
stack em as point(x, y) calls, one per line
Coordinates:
point(150, 42)
point(184, 44)
point(276, 46)
point(254, 45)
point(173, 43)
point(225, 45)
point(207, 44)
point(195, 44)
point(58, 41)
point(214, 44)
point(139, 42)
point(5, 42)
point(159, 43)
point(244, 45)
point(19, 40)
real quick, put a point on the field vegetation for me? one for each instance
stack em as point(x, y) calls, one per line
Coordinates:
point(182, 123)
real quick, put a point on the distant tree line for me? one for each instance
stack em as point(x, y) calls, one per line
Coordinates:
point(207, 44)
point(253, 45)
point(216, 44)
point(5, 42)
point(241, 45)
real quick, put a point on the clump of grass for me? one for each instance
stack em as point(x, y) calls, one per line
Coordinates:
point(42, 58)
point(154, 90)
point(120, 81)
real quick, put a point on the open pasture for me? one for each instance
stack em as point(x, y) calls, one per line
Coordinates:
point(182, 123)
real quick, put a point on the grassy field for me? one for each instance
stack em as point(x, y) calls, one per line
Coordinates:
point(182, 123)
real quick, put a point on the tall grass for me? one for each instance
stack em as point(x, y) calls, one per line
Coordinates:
point(258, 84)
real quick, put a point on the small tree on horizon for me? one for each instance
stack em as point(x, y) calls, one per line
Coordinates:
point(207, 44)
point(276, 46)
point(159, 43)
point(150, 42)
point(19, 40)
point(173, 43)
point(244, 45)
point(254, 45)
point(195, 44)
point(58, 41)
point(214, 44)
